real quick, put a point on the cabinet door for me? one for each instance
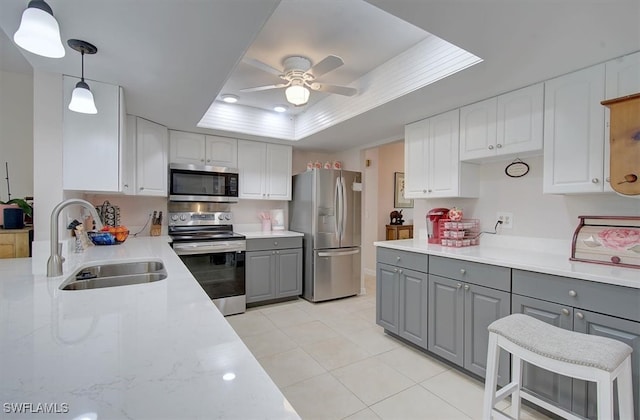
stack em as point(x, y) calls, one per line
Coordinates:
point(478, 130)
point(548, 386)
point(91, 143)
point(260, 276)
point(186, 147)
point(584, 393)
point(482, 306)
point(574, 132)
point(443, 165)
point(221, 151)
point(151, 158)
point(252, 170)
point(415, 158)
point(387, 293)
point(289, 272)
point(445, 321)
point(278, 172)
point(520, 120)
point(413, 306)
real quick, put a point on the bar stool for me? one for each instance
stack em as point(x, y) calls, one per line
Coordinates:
point(587, 357)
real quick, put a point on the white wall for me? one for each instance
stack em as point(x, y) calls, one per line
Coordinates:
point(16, 133)
point(534, 214)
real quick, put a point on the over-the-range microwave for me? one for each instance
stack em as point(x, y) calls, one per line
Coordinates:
point(203, 183)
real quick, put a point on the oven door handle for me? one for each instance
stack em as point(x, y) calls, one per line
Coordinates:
point(206, 249)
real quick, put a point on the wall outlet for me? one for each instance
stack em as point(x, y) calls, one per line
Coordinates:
point(506, 218)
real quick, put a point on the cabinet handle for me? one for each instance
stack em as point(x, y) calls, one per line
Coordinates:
point(459, 285)
point(608, 179)
point(565, 311)
point(595, 180)
point(277, 252)
point(395, 270)
point(572, 293)
point(397, 258)
point(463, 271)
point(499, 146)
point(275, 242)
point(467, 287)
point(273, 252)
point(400, 271)
point(430, 190)
point(491, 147)
point(201, 160)
point(424, 191)
point(579, 315)
point(126, 185)
point(141, 188)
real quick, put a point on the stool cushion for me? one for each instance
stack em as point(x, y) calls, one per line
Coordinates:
point(556, 343)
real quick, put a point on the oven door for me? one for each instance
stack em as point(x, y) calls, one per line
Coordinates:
point(203, 183)
point(221, 274)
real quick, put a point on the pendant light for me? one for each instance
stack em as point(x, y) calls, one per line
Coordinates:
point(82, 98)
point(39, 32)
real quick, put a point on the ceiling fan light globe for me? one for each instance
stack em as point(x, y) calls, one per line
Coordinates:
point(297, 95)
point(82, 100)
point(39, 33)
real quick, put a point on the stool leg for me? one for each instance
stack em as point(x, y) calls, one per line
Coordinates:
point(491, 381)
point(605, 396)
point(516, 376)
point(625, 390)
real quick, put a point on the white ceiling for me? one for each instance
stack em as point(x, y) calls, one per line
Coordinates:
point(174, 57)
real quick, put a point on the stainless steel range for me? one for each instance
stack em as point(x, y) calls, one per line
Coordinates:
point(214, 254)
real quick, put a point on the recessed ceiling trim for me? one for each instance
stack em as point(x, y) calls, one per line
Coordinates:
point(426, 62)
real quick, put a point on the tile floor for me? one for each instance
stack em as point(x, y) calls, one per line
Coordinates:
point(332, 361)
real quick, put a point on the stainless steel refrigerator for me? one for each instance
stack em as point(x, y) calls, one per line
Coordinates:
point(325, 206)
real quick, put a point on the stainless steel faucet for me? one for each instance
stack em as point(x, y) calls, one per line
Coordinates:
point(54, 264)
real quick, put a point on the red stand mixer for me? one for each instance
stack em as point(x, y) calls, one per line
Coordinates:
point(433, 227)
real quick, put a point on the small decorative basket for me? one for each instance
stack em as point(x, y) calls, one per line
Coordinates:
point(107, 238)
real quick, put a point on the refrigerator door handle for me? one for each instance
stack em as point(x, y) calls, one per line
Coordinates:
point(338, 253)
point(343, 189)
point(337, 219)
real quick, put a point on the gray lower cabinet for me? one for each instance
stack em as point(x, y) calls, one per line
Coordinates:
point(560, 301)
point(459, 314)
point(401, 306)
point(273, 273)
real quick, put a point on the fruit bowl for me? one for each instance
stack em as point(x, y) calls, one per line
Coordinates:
point(114, 236)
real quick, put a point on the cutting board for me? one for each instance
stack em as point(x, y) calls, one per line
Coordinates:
point(625, 144)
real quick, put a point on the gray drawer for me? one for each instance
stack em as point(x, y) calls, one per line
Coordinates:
point(405, 259)
point(604, 298)
point(267, 244)
point(486, 275)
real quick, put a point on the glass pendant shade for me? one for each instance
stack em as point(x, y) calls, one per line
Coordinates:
point(39, 32)
point(297, 95)
point(82, 99)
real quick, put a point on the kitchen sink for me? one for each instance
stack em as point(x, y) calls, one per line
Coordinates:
point(115, 274)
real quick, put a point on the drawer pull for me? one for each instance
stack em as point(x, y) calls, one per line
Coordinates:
point(565, 311)
point(395, 270)
point(397, 258)
point(467, 287)
point(572, 293)
point(579, 315)
point(400, 271)
point(463, 271)
point(459, 285)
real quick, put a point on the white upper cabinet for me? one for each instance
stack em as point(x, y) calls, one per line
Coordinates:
point(574, 132)
point(264, 170)
point(93, 144)
point(432, 166)
point(152, 143)
point(478, 130)
point(200, 149)
point(505, 126)
point(622, 76)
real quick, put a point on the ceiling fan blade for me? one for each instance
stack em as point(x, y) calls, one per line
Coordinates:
point(259, 88)
point(340, 90)
point(329, 63)
point(262, 66)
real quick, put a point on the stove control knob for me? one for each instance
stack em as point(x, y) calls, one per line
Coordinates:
point(174, 217)
point(183, 217)
point(227, 217)
point(220, 217)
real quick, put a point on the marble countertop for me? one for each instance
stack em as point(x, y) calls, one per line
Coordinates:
point(160, 350)
point(539, 255)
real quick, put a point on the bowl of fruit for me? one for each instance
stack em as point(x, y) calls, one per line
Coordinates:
point(109, 235)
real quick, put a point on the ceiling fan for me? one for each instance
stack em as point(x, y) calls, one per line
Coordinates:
point(299, 77)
